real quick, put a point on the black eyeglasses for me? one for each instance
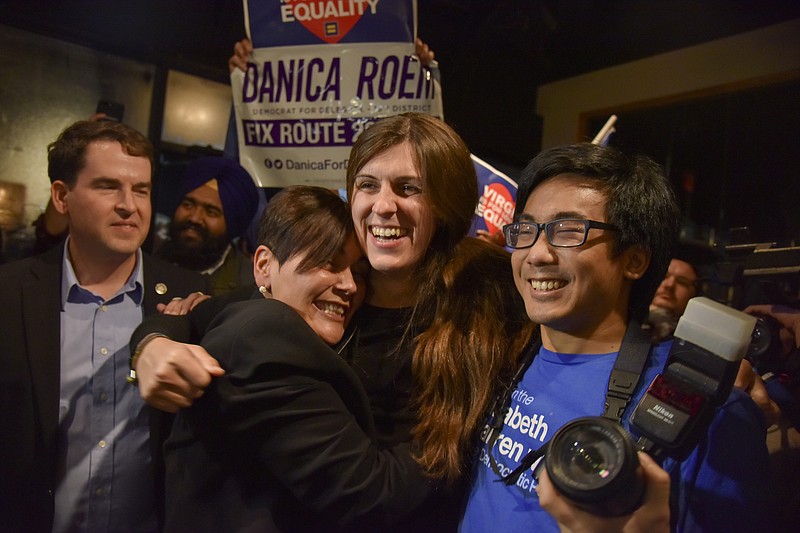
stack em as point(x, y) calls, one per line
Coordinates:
point(563, 233)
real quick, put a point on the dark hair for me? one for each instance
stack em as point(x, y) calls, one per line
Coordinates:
point(66, 156)
point(639, 201)
point(305, 219)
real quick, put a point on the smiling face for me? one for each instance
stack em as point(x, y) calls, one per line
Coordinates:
point(197, 231)
point(325, 297)
point(108, 205)
point(580, 291)
point(200, 217)
point(678, 287)
point(392, 215)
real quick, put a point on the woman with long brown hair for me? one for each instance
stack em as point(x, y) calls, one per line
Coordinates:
point(412, 190)
point(442, 319)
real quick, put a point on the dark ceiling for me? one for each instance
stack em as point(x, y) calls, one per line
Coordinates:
point(493, 53)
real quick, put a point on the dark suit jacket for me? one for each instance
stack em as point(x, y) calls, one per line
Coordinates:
point(30, 348)
point(284, 440)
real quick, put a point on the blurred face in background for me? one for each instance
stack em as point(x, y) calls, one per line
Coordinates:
point(678, 287)
point(198, 233)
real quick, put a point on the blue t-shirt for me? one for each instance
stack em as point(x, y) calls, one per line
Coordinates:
point(722, 486)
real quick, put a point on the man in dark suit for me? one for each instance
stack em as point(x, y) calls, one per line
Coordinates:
point(75, 451)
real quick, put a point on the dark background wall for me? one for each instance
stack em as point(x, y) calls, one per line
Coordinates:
point(734, 160)
point(494, 54)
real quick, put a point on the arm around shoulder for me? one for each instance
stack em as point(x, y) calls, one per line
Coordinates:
point(170, 374)
point(297, 415)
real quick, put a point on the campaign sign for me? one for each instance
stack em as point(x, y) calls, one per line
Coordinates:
point(496, 204)
point(321, 72)
point(299, 22)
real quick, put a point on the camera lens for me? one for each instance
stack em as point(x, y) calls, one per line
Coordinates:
point(761, 339)
point(588, 460)
point(765, 345)
point(592, 461)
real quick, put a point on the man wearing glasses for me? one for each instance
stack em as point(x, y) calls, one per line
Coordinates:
point(592, 239)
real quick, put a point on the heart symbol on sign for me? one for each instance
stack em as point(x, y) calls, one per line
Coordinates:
point(340, 19)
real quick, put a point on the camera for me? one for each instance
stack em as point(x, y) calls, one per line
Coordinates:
point(765, 348)
point(592, 461)
point(761, 273)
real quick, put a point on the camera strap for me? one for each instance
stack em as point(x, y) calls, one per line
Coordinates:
point(498, 414)
point(622, 383)
point(627, 370)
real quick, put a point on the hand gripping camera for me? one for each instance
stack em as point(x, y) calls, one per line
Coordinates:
point(592, 460)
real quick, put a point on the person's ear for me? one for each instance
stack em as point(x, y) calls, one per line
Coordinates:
point(637, 259)
point(58, 195)
point(263, 259)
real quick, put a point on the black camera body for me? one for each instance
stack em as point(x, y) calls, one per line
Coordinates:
point(710, 341)
point(592, 460)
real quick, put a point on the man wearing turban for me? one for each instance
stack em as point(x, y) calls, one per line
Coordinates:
point(218, 201)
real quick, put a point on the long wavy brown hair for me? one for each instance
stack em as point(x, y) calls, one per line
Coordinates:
point(472, 345)
point(467, 307)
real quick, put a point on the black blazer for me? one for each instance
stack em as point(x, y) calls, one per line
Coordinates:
point(30, 348)
point(284, 440)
